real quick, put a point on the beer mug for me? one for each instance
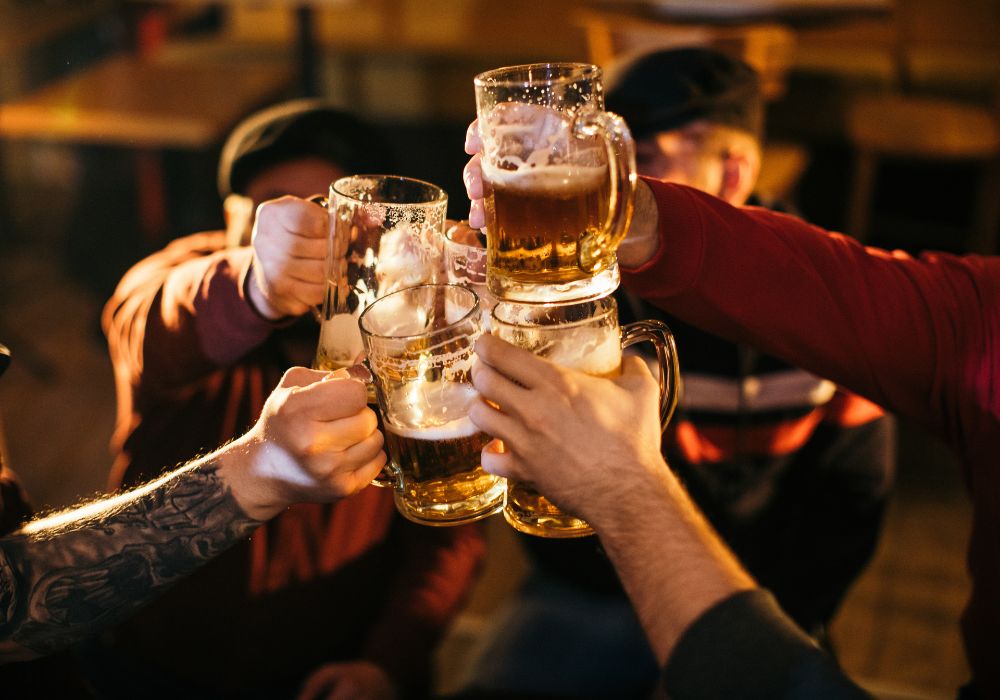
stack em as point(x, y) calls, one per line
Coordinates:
point(585, 337)
point(419, 345)
point(559, 182)
point(387, 233)
point(465, 263)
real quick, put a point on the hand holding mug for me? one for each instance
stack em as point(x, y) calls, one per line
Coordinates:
point(289, 243)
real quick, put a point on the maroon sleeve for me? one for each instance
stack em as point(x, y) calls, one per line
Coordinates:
point(441, 567)
point(181, 313)
point(913, 335)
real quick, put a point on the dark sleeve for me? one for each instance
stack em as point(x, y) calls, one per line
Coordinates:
point(15, 508)
point(745, 647)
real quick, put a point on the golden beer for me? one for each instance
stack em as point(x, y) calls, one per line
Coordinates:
point(419, 342)
point(559, 182)
point(599, 355)
point(585, 337)
point(439, 466)
point(436, 461)
point(535, 220)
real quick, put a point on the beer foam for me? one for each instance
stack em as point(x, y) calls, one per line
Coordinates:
point(340, 339)
point(441, 408)
point(589, 350)
point(452, 430)
point(549, 179)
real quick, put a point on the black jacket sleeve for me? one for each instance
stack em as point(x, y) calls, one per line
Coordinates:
point(745, 647)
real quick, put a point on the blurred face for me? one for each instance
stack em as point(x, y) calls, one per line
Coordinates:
point(692, 156)
point(302, 177)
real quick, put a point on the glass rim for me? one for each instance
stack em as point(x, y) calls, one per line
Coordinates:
point(504, 76)
point(440, 197)
point(440, 285)
point(605, 305)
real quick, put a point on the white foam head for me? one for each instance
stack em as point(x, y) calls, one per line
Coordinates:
point(458, 428)
point(589, 350)
point(433, 410)
point(552, 179)
point(340, 339)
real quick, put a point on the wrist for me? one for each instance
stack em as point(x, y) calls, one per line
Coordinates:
point(644, 490)
point(643, 239)
point(246, 467)
point(258, 301)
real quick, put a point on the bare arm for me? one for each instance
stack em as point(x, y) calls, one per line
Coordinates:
point(562, 430)
point(69, 575)
point(592, 446)
point(66, 576)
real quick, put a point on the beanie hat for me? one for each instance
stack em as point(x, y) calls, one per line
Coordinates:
point(296, 129)
point(668, 89)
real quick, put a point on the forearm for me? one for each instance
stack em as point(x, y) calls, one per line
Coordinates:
point(181, 314)
point(672, 564)
point(72, 574)
point(817, 300)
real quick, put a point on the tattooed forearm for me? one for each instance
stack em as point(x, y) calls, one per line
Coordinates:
point(72, 574)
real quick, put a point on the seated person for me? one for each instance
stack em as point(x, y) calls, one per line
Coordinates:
point(198, 334)
point(792, 472)
point(71, 574)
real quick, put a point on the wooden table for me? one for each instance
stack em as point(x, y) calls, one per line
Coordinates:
point(133, 102)
point(149, 106)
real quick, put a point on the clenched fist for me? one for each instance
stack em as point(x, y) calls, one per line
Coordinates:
point(289, 252)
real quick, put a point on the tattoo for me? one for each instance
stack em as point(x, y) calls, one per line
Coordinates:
point(68, 576)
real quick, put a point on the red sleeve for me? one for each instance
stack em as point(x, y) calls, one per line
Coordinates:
point(182, 313)
point(441, 567)
point(913, 335)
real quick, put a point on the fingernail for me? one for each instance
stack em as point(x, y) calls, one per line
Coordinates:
point(360, 372)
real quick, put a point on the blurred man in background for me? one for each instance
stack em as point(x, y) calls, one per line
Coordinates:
point(198, 334)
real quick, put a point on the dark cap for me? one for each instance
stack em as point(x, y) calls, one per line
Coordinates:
point(668, 89)
point(293, 130)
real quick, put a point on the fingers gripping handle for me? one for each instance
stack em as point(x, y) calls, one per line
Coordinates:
point(389, 476)
point(662, 339)
point(596, 248)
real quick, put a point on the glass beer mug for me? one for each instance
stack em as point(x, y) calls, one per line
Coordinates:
point(419, 345)
point(559, 182)
point(465, 263)
point(387, 233)
point(585, 337)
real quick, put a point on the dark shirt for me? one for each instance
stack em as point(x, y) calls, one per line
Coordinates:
point(745, 647)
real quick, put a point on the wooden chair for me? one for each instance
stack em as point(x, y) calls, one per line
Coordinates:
point(925, 128)
point(768, 47)
point(905, 123)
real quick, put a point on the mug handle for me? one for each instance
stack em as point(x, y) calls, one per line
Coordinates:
point(389, 477)
point(335, 298)
point(660, 336)
point(594, 248)
point(328, 306)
